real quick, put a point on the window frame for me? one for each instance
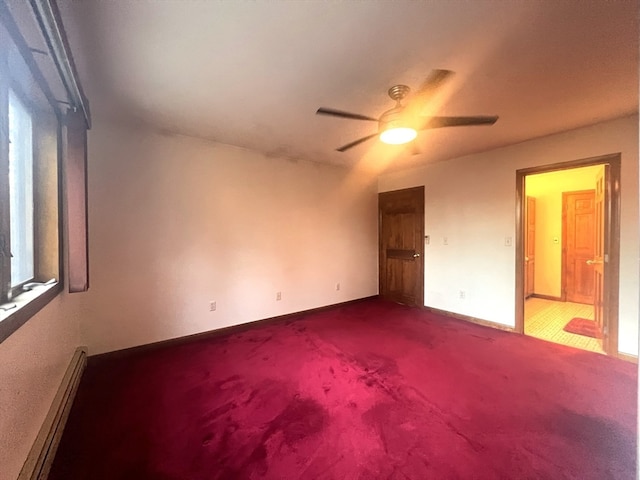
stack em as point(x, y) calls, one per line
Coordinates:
point(16, 310)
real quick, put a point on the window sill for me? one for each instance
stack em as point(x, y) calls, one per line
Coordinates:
point(27, 304)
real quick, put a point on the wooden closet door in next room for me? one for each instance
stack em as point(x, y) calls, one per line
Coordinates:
point(578, 215)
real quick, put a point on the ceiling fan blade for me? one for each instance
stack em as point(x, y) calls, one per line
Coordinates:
point(425, 92)
point(439, 122)
point(357, 142)
point(341, 114)
point(434, 81)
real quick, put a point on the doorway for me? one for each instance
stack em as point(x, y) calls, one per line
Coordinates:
point(567, 269)
point(401, 246)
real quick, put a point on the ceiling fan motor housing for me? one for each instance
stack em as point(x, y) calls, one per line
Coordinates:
point(398, 92)
point(394, 118)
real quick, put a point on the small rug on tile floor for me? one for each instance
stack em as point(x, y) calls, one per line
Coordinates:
point(583, 326)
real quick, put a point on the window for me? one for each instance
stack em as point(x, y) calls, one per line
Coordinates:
point(20, 192)
point(41, 103)
point(29, 165)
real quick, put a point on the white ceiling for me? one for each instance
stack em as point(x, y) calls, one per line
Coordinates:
point(253, 73)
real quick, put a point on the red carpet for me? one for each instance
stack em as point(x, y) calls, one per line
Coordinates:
point(371, 390)
point(583, 326)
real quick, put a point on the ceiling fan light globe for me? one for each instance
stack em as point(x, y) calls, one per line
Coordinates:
point(398, 135)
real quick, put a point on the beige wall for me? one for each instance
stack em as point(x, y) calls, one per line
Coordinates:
point(177, 222)
point(34, 358)
point(32, 363)
point(547, 189)
point(471, 200)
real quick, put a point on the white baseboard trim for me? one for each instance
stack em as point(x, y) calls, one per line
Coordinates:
point(43, 451)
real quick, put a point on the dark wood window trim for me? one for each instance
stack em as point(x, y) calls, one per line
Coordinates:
point(75, 168)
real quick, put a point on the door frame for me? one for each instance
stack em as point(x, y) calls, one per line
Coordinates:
point(612, 164)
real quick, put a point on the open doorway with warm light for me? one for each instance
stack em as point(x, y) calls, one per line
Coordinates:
point(567, 253)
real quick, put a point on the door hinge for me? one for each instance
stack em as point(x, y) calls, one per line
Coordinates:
point(606, 258)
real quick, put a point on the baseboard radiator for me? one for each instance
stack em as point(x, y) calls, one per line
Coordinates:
point(43, 451)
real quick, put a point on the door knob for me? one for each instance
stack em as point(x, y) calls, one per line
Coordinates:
point(594, 262)
point(416, 255)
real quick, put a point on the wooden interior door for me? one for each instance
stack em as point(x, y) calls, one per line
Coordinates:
point(579, 233)
point(401, 245)
point(598, 256)
point(530, 247)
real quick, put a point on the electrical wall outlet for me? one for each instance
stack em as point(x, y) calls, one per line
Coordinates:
point(445, 240)
point(278, 296)
point(212, 306)
point(508, 241)
point(462, 294)
point(338, 286)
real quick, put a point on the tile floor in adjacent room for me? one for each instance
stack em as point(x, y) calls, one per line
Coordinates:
point(545, 319)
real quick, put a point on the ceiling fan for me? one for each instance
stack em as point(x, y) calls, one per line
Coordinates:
point(401, 124)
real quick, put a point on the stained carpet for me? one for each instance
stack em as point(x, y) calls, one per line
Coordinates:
point(371, 390)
